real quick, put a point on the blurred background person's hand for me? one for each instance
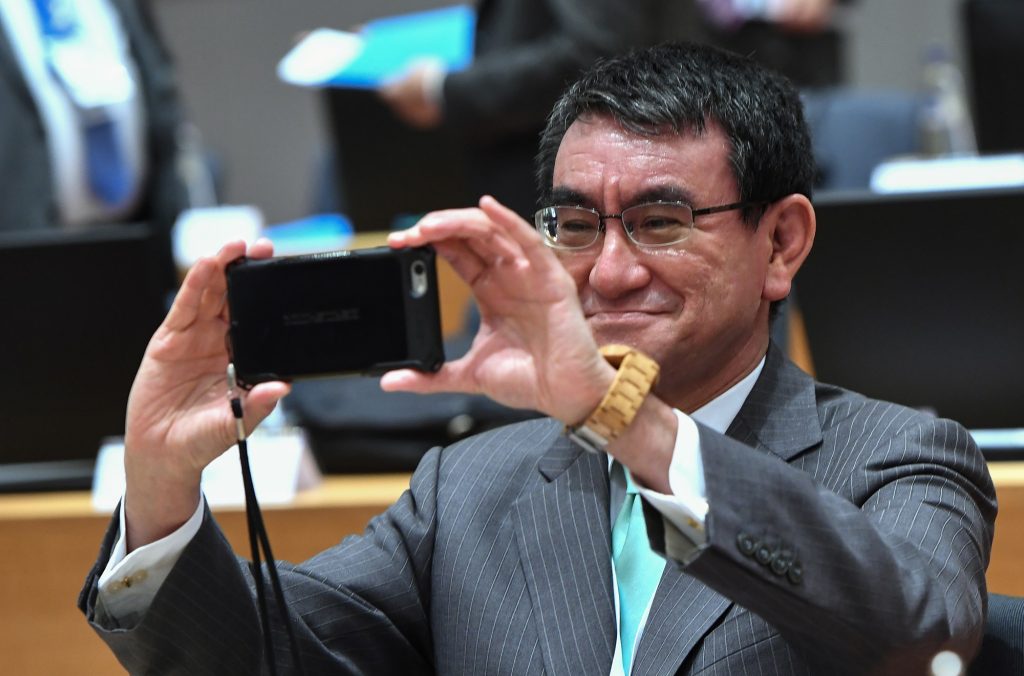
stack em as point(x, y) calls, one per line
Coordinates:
point(415, 97)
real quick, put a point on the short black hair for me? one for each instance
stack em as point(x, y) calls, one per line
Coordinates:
point(681, 87)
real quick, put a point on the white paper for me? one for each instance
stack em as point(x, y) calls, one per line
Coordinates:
point(202, 232)
point(281, 464)
point(319, 56)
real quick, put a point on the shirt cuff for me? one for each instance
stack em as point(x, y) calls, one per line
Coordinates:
point(130, 582)
point(687, 507)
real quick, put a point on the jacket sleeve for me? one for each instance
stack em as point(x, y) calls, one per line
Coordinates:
point(360, 607)
point(867, 553)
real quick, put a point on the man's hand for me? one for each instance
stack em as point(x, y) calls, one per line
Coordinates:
point(534, 349)
point(409, 99)
point(179, 418)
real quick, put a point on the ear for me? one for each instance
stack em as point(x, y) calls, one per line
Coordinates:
point(791, 225)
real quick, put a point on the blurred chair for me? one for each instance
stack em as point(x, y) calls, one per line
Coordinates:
point(853, 130)
point(1002, 649)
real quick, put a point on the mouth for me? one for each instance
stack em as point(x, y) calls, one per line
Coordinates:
point(613, 312)
point(623, 316)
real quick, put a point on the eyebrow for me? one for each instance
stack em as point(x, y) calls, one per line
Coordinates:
point(567, 196)
point(663, 193)
point(564, 195)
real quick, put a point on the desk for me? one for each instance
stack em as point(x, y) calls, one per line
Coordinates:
point(50, 540)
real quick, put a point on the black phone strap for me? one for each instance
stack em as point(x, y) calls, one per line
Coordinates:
point(258, 540)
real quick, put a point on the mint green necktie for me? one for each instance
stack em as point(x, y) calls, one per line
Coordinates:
point(637, 568)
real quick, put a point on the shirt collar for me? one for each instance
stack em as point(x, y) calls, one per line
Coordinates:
point(719, 413)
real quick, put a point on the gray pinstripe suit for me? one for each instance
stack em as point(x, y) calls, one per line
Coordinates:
point(878, 521)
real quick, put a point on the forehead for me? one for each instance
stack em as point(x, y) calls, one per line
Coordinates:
point(602, 160)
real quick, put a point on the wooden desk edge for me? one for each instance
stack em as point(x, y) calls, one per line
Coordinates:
point(378, 490)
point(334, 491)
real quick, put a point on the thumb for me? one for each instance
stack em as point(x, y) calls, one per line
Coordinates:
point(410, 380)
point(260, 402)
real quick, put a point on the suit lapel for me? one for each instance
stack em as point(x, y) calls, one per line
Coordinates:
point(781, 413)
point(563, 534)
point(683, 611)
point(780, 416)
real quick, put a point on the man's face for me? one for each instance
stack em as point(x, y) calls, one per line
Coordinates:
point(697, 307)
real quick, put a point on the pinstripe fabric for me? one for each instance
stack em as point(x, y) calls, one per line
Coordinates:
point(497, 560)
point(890, 517)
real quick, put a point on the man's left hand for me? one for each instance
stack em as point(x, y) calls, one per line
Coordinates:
point(534, 349)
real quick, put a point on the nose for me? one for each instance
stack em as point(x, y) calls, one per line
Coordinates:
point(618, 268)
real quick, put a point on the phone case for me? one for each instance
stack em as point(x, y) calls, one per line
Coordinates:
point(364, 311)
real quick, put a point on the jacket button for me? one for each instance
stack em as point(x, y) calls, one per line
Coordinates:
point(746, 544)
point(763, 555)
point(781, 562)
point(795, 573)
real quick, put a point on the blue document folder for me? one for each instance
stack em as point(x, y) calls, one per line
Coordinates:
point(392, 43)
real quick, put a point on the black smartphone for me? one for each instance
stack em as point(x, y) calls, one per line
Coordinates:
point(364, 311)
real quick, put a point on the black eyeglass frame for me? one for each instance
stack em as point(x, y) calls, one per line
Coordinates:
point(694, 213)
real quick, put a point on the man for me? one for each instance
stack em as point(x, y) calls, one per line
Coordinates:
point(805, 528)
point(91, 119)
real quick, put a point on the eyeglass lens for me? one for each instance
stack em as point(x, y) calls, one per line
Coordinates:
point(654, 224)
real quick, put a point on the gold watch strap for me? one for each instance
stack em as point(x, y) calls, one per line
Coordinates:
point(636, 375)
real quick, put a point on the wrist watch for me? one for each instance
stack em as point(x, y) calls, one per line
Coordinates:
point(636, 375)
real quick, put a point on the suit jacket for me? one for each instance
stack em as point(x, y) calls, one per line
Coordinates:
point(526, 53)
point(26, 186)
point(876, 523)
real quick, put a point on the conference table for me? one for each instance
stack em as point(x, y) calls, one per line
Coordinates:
point(49, 541)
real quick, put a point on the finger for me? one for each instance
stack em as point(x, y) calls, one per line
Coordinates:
point(261, 400)
point(466, 263)
point(448, 379)
point(213, 300)
point(447, 224)
point(195, 298)
point(540, 256)
point(229, 252)
point(187, 302)
point(489, 240)
point(261, 248)
point(525, 235)
point(496, 250)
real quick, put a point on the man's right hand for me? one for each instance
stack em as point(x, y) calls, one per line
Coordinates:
point(179, 418)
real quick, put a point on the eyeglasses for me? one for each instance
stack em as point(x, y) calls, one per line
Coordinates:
point(652, 224)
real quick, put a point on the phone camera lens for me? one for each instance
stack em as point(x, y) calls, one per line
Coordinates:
point(418, 272)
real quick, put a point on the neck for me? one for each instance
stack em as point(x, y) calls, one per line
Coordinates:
point(715, 378)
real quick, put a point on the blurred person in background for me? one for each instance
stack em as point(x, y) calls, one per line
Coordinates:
point(525, 53)
point(91, 128)
point(798, 38)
